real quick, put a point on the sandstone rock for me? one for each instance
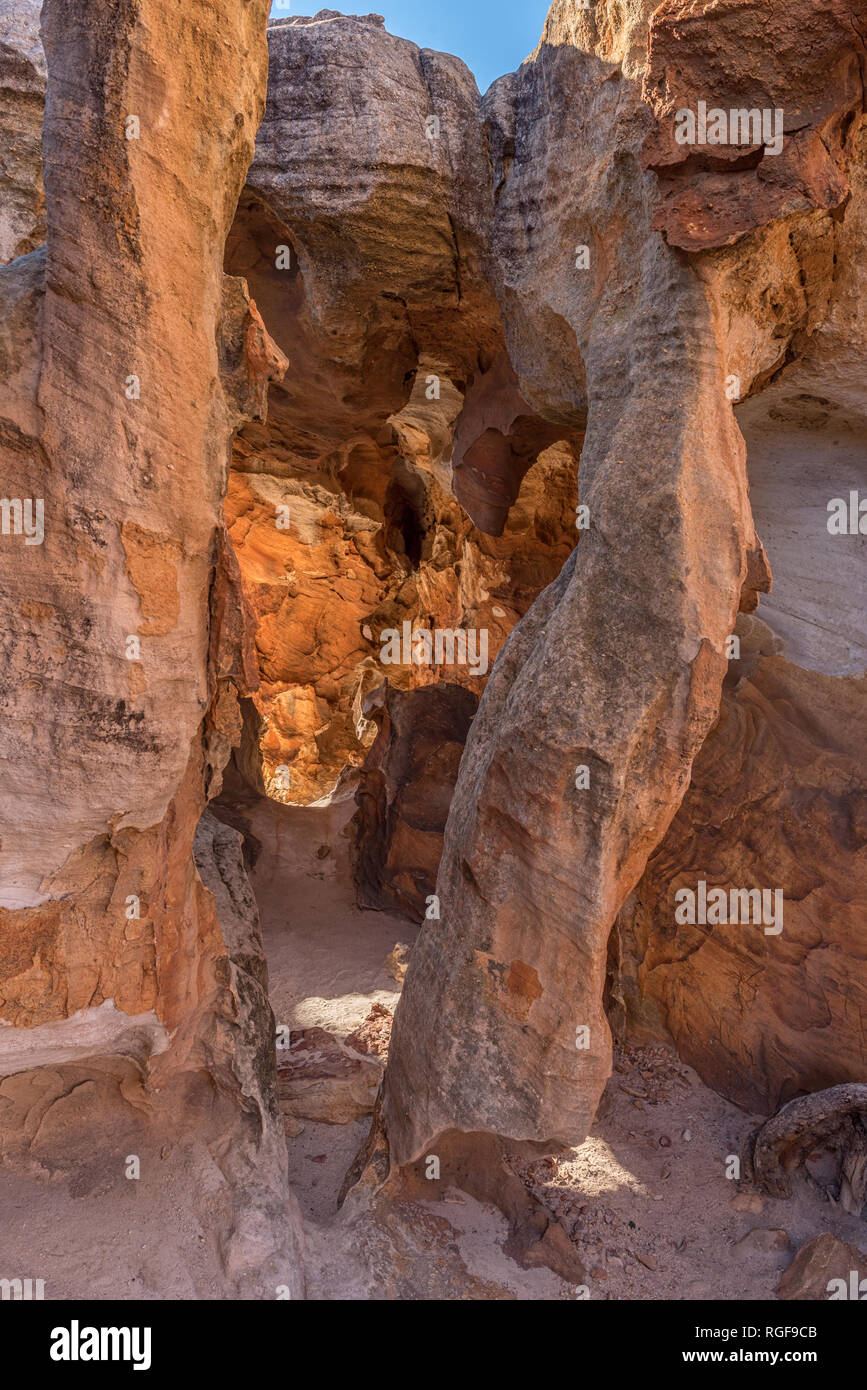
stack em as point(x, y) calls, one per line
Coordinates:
point(750, 1202)
point(778, 790)
point(418, 333)
point(396, 962)
point(548, 346)
point(373, 1036)
point(714, 194)
point(551, 1250)
point(342, 507)
point(833, 1121)
point(364, 544)
point(405, 792)
point(114, 623)
point(320, 1079)
point(615, 669)
point(760, 284)
point(481, 1166)
point(775, 800)
point(22, 96)
point(265, 1239)
point(819, 1262)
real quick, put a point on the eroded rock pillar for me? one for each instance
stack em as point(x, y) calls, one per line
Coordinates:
point(581, 751)
point(121, 662)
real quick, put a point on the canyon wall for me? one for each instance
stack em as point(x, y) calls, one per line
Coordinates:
point(122, 631)
point(779, 794)
point(400, 398)
point(778, 790)
point(22, 98)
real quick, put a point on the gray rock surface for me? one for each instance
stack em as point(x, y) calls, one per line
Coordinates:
point(22, 97)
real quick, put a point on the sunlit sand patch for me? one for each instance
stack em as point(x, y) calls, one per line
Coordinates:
point(341, 1014)
point(595, 1168)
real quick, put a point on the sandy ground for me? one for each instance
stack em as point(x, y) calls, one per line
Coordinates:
point(649, 1221)
point(151, 1238)
point(648, 1204)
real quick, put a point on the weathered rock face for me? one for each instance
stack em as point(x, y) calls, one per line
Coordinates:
point(122, 643)
point(386, 262)
point(336, 559)
point(398, 400)
point(809, 79)
point(778, 796)
point(320, 1078)
point(415, 315)
point(22, 98)
point(777, 800)
point(618, 667)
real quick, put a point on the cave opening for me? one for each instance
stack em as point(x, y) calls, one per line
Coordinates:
point(404, 511)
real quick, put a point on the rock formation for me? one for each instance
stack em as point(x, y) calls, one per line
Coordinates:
point(588, 311)
point(551, 373)
point(22, 98)
point(341, 508)
point(617, 670)
point(319, 1078)
point(122, 655)
point(778, 792)
point(405, 794)
point(344, 570)
point(760, 289)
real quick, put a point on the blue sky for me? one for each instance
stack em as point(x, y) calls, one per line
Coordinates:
point(492, 36)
